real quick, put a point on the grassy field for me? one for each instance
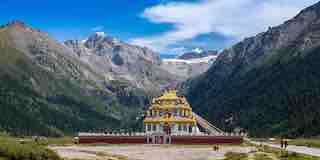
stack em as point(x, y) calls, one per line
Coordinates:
point(284, 155)
point(262, 156)
point(11, 149)
point(306, 142)
point(267, 153)
point(236, 156)
point(57, 141)
point(311, 142)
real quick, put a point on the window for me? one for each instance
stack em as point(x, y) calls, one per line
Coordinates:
point(179, 127)
point(190, 129)
point(185, 128)
point(149, 127)
point(154, 127)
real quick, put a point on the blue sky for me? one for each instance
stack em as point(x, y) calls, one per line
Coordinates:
point(166, 26)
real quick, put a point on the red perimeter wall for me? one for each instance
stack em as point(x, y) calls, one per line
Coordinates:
point(206, 140)
point(175, 139)
point(112, 139)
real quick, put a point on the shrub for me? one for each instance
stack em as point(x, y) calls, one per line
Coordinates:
point(11, 149)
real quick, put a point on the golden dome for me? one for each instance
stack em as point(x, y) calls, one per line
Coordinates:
point(170, 100)
point(168, 95)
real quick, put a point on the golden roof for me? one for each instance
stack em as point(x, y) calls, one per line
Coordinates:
point(170, 100)
point(168, 95)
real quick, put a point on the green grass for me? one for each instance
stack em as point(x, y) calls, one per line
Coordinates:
point(236, 156)
point(57, 141)
point(262, 156)
point(295, 156)
point(11, 149)
point(298, 142)
point(306, 142)
point(284, 155)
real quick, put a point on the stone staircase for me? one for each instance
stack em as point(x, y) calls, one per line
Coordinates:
point(211, 129)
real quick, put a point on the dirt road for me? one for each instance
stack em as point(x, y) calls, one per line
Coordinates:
point(147, 152)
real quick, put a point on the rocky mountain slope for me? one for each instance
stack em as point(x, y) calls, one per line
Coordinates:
point(49, 88)
point(116, 60)
point(267, 84)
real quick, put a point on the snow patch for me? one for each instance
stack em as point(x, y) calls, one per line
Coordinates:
point(84, 41)
point(208, 59)
point(197, 50)
point(101, 34)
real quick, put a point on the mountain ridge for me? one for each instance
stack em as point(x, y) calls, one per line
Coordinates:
point(201, 54)
point(46, 89)
point(255, 85)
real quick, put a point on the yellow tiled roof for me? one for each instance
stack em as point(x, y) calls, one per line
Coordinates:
point(171, 94)
point(167, 96)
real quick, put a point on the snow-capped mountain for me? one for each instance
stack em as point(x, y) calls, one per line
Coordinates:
point(208, 59)
point(190, 64)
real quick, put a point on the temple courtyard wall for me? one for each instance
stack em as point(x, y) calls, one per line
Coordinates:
point(161, 139)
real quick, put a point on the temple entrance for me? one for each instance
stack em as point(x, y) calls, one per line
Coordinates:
point(190, 129)
point(159, 139)
point(167, 128)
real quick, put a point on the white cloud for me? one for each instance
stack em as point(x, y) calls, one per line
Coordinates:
point(236, 18)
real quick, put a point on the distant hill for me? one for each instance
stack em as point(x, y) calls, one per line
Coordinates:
point(268, 84)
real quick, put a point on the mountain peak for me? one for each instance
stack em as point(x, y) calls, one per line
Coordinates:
point(98, 38)
point(21, 26)
point(100, 34)
point(17, 23)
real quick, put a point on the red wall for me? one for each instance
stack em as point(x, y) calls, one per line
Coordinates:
point(206, 140)
point(112, 139)
point(175, 139)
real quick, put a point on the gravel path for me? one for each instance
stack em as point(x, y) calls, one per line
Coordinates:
point(293, 148)
point(148, 152)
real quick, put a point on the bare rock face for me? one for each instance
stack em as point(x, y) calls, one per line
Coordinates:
point(124, 62)
point(185, 70)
